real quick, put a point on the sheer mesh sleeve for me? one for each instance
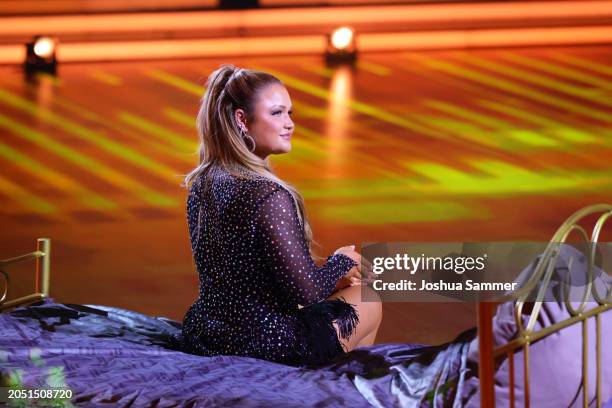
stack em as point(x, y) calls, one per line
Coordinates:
point(286, 252)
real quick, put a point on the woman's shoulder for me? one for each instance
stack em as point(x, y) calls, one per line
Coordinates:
point(261, 187)
point(247, 185)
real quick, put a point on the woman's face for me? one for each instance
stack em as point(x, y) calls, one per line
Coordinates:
point(272, 126)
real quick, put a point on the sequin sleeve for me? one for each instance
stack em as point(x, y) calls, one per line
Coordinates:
point(286, 253)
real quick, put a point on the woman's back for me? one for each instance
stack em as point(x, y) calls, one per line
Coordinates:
point(254, 269)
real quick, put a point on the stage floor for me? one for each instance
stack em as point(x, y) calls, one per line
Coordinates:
point(432, 146)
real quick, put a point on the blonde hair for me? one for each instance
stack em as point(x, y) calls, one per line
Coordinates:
point(221, 143)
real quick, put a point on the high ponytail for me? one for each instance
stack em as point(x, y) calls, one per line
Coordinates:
point(221, 144)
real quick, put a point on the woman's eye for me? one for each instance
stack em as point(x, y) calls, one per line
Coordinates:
point(277, 112)
point(290, 112)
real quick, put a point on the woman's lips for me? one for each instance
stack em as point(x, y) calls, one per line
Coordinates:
point(286, 137)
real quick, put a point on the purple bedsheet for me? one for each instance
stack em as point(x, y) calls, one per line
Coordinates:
point(111, 357)
point(114, 357)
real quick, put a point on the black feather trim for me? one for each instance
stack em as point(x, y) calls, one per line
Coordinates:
point(321, 339)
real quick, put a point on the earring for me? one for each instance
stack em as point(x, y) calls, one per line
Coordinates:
point(248, 140)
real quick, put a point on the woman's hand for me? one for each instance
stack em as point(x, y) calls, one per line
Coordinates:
point(352, 278)
point(351, 253)
point(357, 274)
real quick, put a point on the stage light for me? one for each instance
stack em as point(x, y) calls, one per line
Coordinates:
point(40, 55)
point(238, 4)
point(342, 38)
point(341, 46)
point(44, 47)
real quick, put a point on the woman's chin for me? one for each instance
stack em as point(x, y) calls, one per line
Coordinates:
point(279, 149)
point(284, 147)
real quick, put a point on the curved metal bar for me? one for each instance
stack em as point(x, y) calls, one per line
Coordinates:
point(599, 225)
point(578, 215)
point(558, 238)
point(535, 276)
point(521, 295)
point(535, 312)
point(594, 239)
point(6, 281)
point(589, 280)
point(526, 290)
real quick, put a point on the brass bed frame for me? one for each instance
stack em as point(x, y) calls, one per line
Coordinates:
point(486, 310)
point(527, 335)
point(42, 255)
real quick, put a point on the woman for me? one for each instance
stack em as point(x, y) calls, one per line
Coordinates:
point(261, 294)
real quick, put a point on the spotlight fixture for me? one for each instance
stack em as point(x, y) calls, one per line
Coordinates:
point(238, 4)
point(341, 46)
point(40, 55)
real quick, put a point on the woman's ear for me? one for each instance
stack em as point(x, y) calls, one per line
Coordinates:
point(240, 118)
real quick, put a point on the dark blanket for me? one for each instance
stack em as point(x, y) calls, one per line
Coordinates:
point(114, 357)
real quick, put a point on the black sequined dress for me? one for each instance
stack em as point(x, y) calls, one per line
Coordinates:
point(255, 269)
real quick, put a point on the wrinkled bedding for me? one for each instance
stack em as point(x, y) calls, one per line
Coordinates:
point(112, 357)
point(115, 357)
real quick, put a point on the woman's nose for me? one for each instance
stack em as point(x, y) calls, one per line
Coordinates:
point(289, 123)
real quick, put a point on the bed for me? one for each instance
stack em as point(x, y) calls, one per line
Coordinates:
point(58, 354)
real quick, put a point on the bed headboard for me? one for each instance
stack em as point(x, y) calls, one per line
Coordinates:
point(41, 289)
point(527, 335)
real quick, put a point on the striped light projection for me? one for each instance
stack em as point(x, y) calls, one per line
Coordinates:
point(402, 139)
